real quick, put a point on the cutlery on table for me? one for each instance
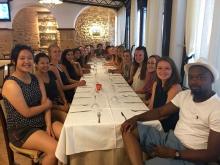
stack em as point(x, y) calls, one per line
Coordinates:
point(133, 102)
point(82, 97)
point(81, 104)
point(123, 115)
point(99, 117)
point(139, 110)
point(80, 111)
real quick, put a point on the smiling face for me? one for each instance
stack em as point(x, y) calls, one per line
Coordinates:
point(200, 80)
point(69, 56)
point(55, 53)
point(151, 64)
point(164, 70)
point(126, 58)
point(43, 64)
point(139, 56)
point(25, 61)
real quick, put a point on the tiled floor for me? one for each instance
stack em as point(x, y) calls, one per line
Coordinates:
point(19, 159)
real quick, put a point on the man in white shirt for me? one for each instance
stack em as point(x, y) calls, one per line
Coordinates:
point(196, 138)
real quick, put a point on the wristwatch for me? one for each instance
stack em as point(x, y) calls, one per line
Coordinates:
point(177, 155)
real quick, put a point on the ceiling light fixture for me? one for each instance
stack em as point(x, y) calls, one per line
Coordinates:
point(50, 3)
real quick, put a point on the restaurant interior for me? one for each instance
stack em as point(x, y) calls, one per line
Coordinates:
point(111, 84)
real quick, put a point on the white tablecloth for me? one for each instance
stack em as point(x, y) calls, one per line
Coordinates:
point(82, 132)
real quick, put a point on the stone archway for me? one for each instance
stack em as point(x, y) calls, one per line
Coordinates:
point(95, 25)
point(26, 27)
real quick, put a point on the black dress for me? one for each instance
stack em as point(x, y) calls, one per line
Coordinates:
point(72, 72)
point(69, 94)
point(160, 99)
point(20, 127)
point(51, 89)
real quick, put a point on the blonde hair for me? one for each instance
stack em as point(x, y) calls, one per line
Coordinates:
point(54, 45)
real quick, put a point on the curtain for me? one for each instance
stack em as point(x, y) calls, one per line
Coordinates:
point(134, 26)
point(198, 27)
point(121, 20)
point(154, 26)
point(177, 32)
point(214, 50)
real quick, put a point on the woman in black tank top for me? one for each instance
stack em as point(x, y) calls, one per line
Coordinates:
point(68, 85)
point(53, 89)
point(165, 88)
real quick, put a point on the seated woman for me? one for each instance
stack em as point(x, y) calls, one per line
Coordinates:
point(71, 68)
point(126, 64)
point(165, 88)
point(28, 109)
point(150, 78)
point(53, 89)
point(117, 63)
point(78, 60)
point(139, 70)
point(68, 85)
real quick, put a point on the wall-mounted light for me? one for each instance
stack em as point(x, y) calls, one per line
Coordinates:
point(96, 30)
point(50, 3)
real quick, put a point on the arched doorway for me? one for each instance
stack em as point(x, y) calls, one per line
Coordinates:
point(35, 26)
point(95, 25)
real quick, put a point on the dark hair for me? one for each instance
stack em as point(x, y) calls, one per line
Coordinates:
point(157, 57)
point(39, 56)
point(17, 49)
point(144, 63)
point(99, 44)
point(174, 78)
point(64, 61)
point(75, 50)
point(127, 51)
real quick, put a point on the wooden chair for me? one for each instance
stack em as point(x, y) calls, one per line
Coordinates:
point(11, 149)
point(11, 68)
point(2, 75)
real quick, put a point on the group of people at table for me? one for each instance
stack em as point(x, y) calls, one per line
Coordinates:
point(37, 102)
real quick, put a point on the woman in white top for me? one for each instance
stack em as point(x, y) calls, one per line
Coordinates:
point(139, 69)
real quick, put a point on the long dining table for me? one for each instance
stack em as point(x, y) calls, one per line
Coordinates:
point(91, 132)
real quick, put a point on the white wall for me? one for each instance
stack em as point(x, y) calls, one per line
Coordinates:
point(65, 14)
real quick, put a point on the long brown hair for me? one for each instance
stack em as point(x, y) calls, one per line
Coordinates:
point(144, 63)
point(174, 78)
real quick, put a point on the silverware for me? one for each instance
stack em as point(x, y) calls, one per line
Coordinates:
point(99, 117)
point(129, 96)
point(79, 111)
point(139, 110)
point(82, 97)
point(133, 102)
point(80, 104)
point(123, 115)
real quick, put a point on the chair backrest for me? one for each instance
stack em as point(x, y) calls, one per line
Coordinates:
point(5, 133)
point(11, 68)
point(2, 75)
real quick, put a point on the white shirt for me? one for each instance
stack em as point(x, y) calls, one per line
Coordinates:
point(138, 83)
point(196, 119)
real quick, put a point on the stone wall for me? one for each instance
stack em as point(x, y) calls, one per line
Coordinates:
point(25, 27)
point(102, 18)
point(6, 42)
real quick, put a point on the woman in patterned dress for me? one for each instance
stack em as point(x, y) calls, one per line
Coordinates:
point(28, 109)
